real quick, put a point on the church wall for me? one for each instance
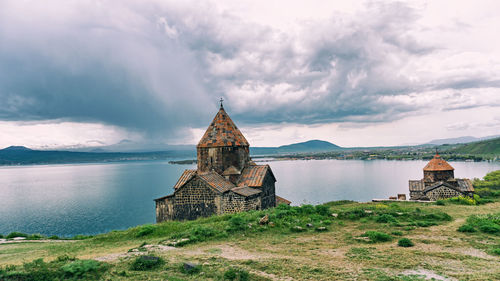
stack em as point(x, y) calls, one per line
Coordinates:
point(417, 195)
point(434, 176)
point(442, 192)
point(221, 158)
point(234, 203)
point(195, 199)
point(165, 209)
point(268, 192)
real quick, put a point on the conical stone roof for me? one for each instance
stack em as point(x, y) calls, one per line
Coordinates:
point(438, 164)
point(222, 132)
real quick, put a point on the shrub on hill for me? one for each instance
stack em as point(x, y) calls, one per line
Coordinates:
point(145, 230)
point(491, 181)
point(466, 228)
point(376, 236)
point(62, 268)
point(489, 224)
point(16, 234)
point(149, 262)
point(405, 242)
point(236, 274)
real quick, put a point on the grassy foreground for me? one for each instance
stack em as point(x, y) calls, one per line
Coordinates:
point(336, 241)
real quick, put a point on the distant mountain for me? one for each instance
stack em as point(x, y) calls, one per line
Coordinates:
point(16, 155)
point(16, 148)
point(312, 145)
point(491, 146)
point(465, 139)
point(301, 147)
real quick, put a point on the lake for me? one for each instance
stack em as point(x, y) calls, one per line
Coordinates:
point(66, 200)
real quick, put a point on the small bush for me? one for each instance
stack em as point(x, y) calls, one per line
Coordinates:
point(322, 210)
point(54, 237)
point(487, 193)
point(405, 242)
point(385, 218)
point(16, 234)
point(81, 268)
point(142, 263)
point(236, 274)
point(425, 223)
point(491, 228)
point(1, 235)
point(283, 207)
point(237, 223)
point(440, 202)
point(376, 236)
point(65, 258)
point(397, 233)
point(307, 209)
point(462, 200)
point(187, 268)
point(38, 270)
point(145, 230)
point(466, 228)
point(201, 233)
point(496, 251)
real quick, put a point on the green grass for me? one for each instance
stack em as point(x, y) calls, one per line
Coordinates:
point(278, 249)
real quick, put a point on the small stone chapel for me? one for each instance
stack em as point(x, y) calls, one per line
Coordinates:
point(226, 181)
point(439, 182)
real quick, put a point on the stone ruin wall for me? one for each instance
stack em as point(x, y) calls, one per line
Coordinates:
point(195, 199)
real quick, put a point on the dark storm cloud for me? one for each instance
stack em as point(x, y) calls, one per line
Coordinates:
point(85, 63)
point(157, 67)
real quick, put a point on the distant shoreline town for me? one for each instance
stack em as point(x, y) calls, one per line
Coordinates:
point(485, 150)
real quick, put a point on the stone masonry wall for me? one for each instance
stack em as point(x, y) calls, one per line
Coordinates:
point(164, 210)
point(417, 195)
point(195, 199)
point(268, 192)
point(442, 192)
point(234, 203)
point(434, 176)
point(221, 158)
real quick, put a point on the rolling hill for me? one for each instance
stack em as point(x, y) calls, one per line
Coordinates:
point(301, 147)
point(491, 146)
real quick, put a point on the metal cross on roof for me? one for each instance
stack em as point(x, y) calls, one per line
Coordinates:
point(221, 100)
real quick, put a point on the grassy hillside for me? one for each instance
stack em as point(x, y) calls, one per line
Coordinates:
point(336, 241)
point(481, 147)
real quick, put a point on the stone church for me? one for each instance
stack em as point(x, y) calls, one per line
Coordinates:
point(439, 182)
point(226, 181)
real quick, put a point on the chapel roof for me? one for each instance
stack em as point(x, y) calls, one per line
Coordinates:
point(222, 132)
point(245, 191)
point(254, 175)
point(187, 175)
point(281, 200)
point(438, 164)
point(217, 181)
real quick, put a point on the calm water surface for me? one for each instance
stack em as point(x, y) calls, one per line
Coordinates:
point(66, 200)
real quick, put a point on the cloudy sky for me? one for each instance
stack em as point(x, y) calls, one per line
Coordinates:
point(355, 73)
